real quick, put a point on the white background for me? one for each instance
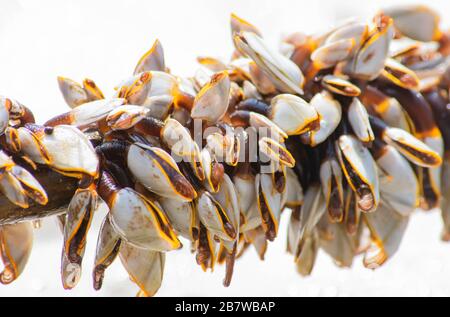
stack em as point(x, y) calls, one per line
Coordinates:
point(103, 40)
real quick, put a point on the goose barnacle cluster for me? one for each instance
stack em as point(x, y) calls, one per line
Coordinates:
point(347, 132)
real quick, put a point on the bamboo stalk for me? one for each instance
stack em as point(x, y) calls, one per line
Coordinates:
point(60, 190)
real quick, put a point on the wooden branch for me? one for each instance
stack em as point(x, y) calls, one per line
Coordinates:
point(59, 188)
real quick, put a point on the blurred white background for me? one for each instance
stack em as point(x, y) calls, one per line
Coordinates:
point(103, 40)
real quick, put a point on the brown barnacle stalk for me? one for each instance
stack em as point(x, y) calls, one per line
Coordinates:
point(347, 131)
point(59, 189)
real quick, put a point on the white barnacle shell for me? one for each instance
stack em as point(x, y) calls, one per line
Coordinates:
point(360, 170)
point(145, 267)
point(283, 73)
point(330, 112)
point(399, 187)
point(359, 121)
point(211, 102)
point(16, 242)
point(368, 61)
point(148, 164)
point(141, 222)
point(292, 114)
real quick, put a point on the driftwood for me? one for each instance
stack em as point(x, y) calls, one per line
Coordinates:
point(60, 190)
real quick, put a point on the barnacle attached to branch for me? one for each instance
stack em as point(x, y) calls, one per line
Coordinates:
point(348, 131)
